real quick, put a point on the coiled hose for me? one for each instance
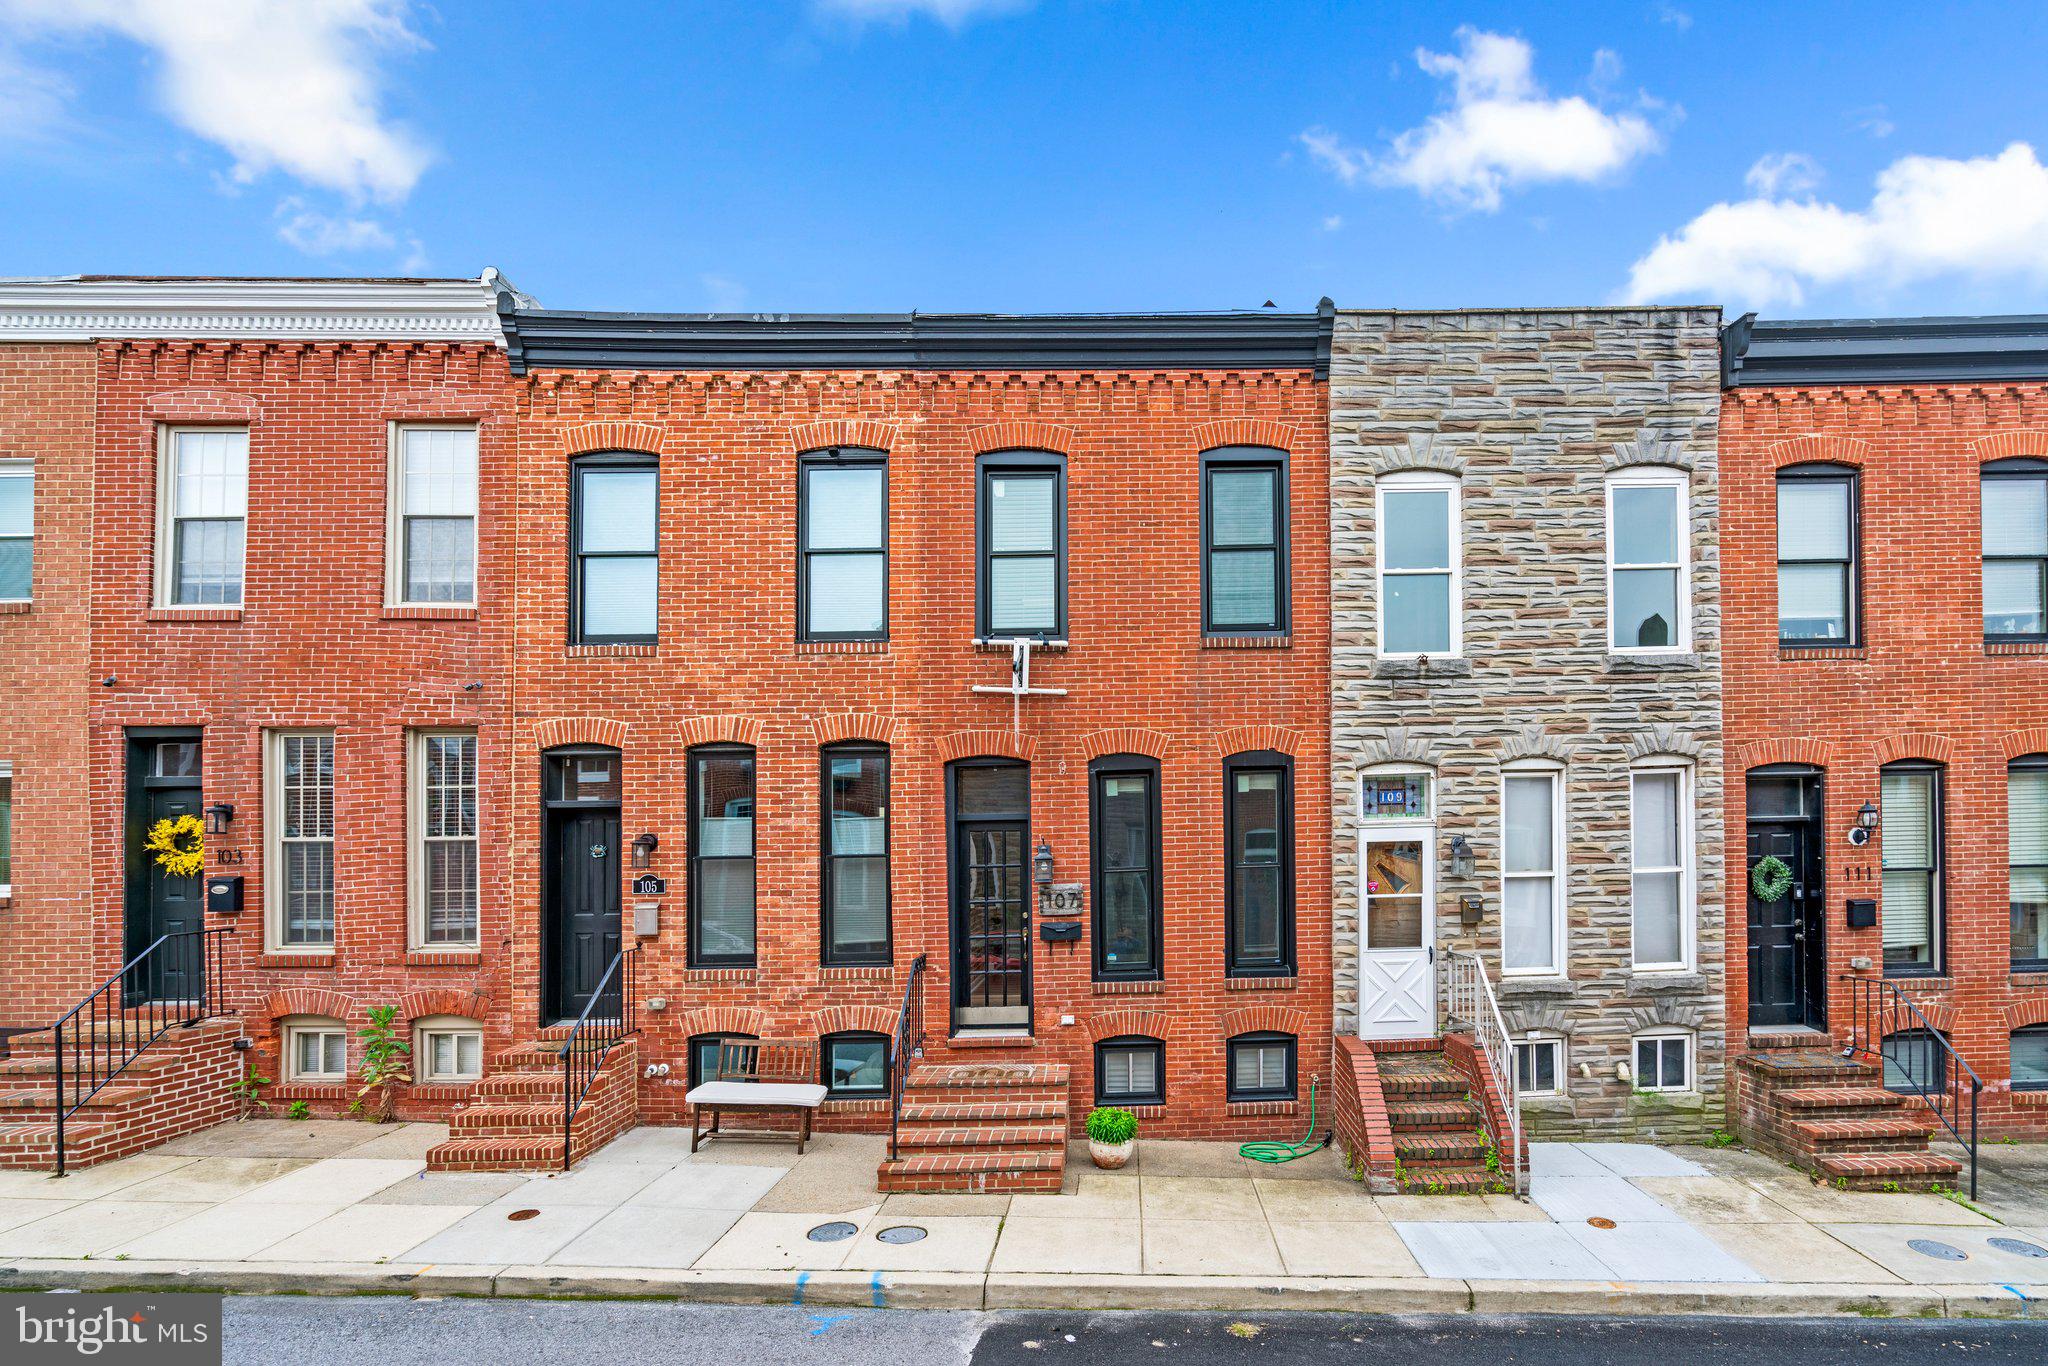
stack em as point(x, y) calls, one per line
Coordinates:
point(1287, 1152)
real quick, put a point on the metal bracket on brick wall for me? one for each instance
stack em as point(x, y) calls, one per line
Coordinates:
point(1019, 687)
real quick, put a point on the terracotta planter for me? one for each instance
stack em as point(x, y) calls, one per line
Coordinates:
point(1110, 1156)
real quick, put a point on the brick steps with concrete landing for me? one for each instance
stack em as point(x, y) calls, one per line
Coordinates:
point(513, 1118)
point(1439, 1137)
point(980, 1127)
point(179, 1083)
point(1832, 1116)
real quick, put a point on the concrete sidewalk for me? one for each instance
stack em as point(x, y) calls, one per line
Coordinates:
point(336, 1207)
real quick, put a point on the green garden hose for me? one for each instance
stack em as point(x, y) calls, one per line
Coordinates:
point(1287, 1152)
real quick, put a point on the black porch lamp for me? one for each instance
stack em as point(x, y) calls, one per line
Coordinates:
point(1866, 822)
point(1041, 864)
point(643, 849)
point(218, 817)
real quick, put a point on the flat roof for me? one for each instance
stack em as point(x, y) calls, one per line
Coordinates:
point(1762, 353)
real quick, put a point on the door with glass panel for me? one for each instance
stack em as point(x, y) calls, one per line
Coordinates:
point(1396, 958)
point(991, 884)
point(580, 880)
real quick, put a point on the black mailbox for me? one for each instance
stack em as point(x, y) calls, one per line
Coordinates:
point(224, 894)
point(1862, 912)
point(1059, 931)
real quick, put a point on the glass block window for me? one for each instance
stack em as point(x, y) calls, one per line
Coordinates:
point(1244, 549)
point(1130, 1071)
point(1261, 1067)
point(206, 508)
point(436, 496)
point(843, 537)
point(1909, 828)
point(17, 529)
point(856, 868)
point(1023, 546)
point(616, 521)
point(445, 855)
point(1817, 555)
point(303, 847)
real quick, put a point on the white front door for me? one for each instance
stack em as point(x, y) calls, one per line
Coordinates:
point(1396, 967)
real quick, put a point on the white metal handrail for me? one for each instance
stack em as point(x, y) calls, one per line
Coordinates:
point(1471, 1002)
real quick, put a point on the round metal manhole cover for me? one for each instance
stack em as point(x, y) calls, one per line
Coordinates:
point(1598, 1222)
point(2019, 1247)
point(519, 1215)
point(838, 1231)
point(1927, 1247)
point(902, 1233)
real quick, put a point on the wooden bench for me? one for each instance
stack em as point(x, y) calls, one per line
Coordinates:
point(768, 1075)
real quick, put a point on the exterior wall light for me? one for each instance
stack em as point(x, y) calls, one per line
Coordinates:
point(218, 817)
point(1041, 864)
point(643, 849)
point(1463, 863)
point(1866, 822)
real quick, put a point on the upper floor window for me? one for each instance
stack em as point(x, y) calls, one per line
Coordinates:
point(2026, 835)
point(204, 508)
point(1909, 827)
point(856, 871)
point(301, 826)
point(1660, 855)
point(1023, 545)
point(1532, 870)
point(1649, 576)
point(433, 516)
point(721, 856)
point(443, 856)
point(1259, 843)
point(614, 520)
point(1420, 566)
point(1244, 542)
point(1817, 545)
point(1124, 856)
point(17, 529)
point(843, 545)
point(2014, 494)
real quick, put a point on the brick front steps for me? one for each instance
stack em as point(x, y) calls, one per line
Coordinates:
point(981, 1127)
point(1832, 1116)
point(178, 1084)
point(1438, 1134)
point(513, 1120)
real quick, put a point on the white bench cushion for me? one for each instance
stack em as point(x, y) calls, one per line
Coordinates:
point(809, 1095)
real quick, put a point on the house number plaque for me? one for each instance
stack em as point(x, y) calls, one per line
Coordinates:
point(1060, 901)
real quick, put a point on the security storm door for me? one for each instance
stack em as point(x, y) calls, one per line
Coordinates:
point(1396, 960)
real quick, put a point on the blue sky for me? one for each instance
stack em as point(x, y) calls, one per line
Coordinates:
point(1824, 159)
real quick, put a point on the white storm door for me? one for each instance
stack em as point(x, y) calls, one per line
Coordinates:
point(1396, 965)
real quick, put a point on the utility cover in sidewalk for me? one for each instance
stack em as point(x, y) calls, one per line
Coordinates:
point(518, 1214)
point(2019, 1247)
point(838, 1231)
point(902, 1233)
point(1927, 1247)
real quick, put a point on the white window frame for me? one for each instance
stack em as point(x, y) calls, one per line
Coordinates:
point(1559, 918)
point(167, 519)
point(1539, 1039)
point(24, 469)
point(429, 1027)
point(1411, 481)
point(1692, 1062)
point(298, 1025)
point(1688, 898)
point(395, 514)
point(274, 842)
point(7, 774)
point(416, 841)
point(1677, 481)
point(1397, 770)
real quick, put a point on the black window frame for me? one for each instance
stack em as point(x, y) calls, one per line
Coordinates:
point(1939, 1055)
point(1250, 458)
point(1937, 932)
point(694, 858)
point(695, 1071)
point(1124, 766)
point(611, 462)
point(1259, 760)
point(826, 953)
point(2014, 470)
point(2031, 1031)
point(825, 1042)
point(1822, 472)
point(2025, 763)
point(836, 458)
point(1132, 1043)
point(1233, 1094)
point(1026, 462)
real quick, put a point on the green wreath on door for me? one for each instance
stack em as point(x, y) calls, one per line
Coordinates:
point(1770, 879)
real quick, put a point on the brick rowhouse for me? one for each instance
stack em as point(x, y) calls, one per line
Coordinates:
point(1909, 418)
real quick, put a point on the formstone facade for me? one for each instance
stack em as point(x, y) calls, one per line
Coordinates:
point(1532, 417)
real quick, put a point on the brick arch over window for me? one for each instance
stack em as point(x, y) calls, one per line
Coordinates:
point(1835, 450)
point(1940, 1014)
point(641, 437)
point(1021, 434)
point(2008, 445)
point(980, 744)
point(853, 725)
point(1784, 750)
point(1116, 1024)
point(333, 1005)
point(2023, 1013)
point(721, 730)
point(1265, 1019)
point(201, 405)
point(1913, 745)
point(1125, 740)
point(1243, 739)
point(579, 730)
point(722, 1020)
point(1244, 431)
point(848, 431)
point(854, 1020)
point(2014, 743)
point(469, 1005)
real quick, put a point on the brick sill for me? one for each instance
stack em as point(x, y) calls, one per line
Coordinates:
point(842, 647)
point(1790, 653)
point(429, 613)
point(872, 972)
point(16, 609)
point(1248, 642)
point(854, 1107)
point(451, 958)
point(1148, 987)
point(2016, 647)
point(610, 651)
point(2029, 1097)
point(6, 902)
point(1249, 1108)
point(744, 975)
point(992, 1041)
point(306, 1090)
point(193, 614)
point(1260, 983)
point(296, 962)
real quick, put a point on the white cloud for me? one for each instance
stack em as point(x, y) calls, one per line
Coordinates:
point(319, 234)
point(952, 13)
point(1873, 119)
point(284, 85)
point(1501, 130)
point(32, 101)
point(1984, 219)
point(1777, 174)
point(1668, 13)
point(1332, 222)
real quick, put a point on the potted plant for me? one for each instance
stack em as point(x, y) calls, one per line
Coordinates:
point(1112, 1134)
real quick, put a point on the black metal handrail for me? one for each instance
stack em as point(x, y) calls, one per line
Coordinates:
point(594, 1036)
point(907, 1045)
point(94, 1042)
point(1878, 1009)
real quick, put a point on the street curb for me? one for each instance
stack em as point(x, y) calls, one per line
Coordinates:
point(1359, 1295)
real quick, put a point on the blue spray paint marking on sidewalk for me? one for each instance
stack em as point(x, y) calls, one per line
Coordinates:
point(823, 1323)
point(878, 1296)
point(801, 1277)
point(2026, 1300)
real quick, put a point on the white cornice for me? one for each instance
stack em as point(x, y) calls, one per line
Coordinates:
point(86, 309)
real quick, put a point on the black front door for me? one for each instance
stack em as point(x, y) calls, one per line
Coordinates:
point(991, 925)
point(164, 784)
point(1786, 956)
point(585, 878)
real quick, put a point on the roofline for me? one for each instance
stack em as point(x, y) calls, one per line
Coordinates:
point(1781, 353)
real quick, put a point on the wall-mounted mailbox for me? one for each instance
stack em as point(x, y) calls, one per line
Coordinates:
point(1471, 910)
point(1862, 912)
point(1059, 931)
point(646, 918)
point(224, 894)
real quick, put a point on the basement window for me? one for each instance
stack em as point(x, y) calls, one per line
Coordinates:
point(315, 1049)
point(1130, 1071)
point(1262, 1067)
point(1539, 1063)
point(450, 1050)
point(1664, 1062)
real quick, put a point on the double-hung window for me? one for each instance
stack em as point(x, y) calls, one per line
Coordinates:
point(856, 872)
point(1817, 540)
point(433, 517)
point(614, 530)
point(1909, 797)
point(205, 507)
point(843, 545)
point(1649, 578)
point(1023, 545)
point(1532, 872)
point(443, 859)
point(17, 529)
point(301, 824)
point(721, 863)
point(2026, 836)
point(1124, 835)
point(1660, 850)
point(2014, 495)
point(1420, 568)
point(1244, 542)
point(1259, 843)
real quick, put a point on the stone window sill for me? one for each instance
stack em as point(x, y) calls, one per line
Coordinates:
point(992, 1041)
point(1422, 669)
point(1536, 986)
point(1548, 1105)
point(1666, 981)
point(1654, 1101)
point(1651, 664)
point(429, 612)
point(194, 614)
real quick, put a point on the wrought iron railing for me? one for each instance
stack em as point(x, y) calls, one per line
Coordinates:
point(595, 1034)
point(94, 1042)
point(1878, 1010)
point(908, 1045)
point(1471, 1003)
